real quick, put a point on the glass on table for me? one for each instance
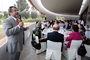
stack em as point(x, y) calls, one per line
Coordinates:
point(67, 32)
point(64, 30)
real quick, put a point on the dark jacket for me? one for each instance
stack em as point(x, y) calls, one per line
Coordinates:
point(38, 32)
point(68, 27)
point(56, 37)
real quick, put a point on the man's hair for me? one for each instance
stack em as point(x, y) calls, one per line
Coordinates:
point(56, 28)
point(48, 21)
point(66, 21)
point(75, 28)
point(10, 9)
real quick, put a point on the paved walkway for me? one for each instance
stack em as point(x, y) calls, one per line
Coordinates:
point(3, 41)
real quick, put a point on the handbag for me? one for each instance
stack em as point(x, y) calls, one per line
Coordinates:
point(36, 45)
point(82, 50)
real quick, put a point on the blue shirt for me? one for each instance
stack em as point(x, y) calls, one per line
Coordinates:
point(66, 26)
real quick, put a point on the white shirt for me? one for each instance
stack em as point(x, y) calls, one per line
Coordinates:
point(82, 22)
point(62, 20)
point(79, 21)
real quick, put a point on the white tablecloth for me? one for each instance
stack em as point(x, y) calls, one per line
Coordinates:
point(62, 31)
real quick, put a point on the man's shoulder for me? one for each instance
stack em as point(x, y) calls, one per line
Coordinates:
point(60, 34)
point(50, 33)
point(56, 33)
point(6, 20)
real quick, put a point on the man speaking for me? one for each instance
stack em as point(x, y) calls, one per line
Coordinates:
point(13, 28)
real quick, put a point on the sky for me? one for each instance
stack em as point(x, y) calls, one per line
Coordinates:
point(4, 4)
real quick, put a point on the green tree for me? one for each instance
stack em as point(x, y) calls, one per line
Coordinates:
point(0, 16)
point(42, 15)
point(33, 12)
point(5, 14)
point(23, 8)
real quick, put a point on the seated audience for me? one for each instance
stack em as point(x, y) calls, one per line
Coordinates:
point(82, 31)
point(75, 35)
point(38, 30)
point(55, 36)
point(75, 23)
point(47, 25)
point(66, 26)
point(56, 22)
point(72, 22)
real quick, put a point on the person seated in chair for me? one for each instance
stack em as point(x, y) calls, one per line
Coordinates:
point(55, 36)
point(82, 31)
point(66, 26)
point(38, 33)
point(75, 35)
point(47, 25)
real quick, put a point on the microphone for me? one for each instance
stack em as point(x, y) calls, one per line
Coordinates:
point(20, 18)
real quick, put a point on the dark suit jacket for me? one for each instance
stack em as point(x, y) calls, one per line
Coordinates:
point(56, 37)
point(68, 27)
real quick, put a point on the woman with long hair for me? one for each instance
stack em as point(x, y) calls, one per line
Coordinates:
point(82, 31)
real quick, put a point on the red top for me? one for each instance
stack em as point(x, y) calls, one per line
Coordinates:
point(73, 36)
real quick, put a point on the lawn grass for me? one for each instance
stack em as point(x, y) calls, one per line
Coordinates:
point(2, 35)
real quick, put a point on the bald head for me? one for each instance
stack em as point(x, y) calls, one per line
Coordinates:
point(56, 27)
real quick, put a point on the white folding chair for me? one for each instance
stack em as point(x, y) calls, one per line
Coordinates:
point(88, 50)
point(43, 46)
point(53, 50)
point(42, 26)
point(33, 37)
point(71, 53)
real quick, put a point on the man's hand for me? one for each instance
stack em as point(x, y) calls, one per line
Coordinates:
point(21, 24)
point(27, 27)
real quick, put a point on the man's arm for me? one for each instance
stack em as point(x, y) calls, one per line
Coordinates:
point(9, 29)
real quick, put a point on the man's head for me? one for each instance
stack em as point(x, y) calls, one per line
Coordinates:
point(75, 28)
point(13, 11)
point(48, 23)
point(56, 27)
point(66, 22)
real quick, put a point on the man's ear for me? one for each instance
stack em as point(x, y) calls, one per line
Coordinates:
point(10, 13)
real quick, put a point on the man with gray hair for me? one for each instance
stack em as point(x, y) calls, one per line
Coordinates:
point(55, 36)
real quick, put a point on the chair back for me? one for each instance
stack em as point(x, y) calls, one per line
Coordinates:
point(37, 39)
point(75, 44)
point(54, 45)
point(42, 26)
point(33, 35)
